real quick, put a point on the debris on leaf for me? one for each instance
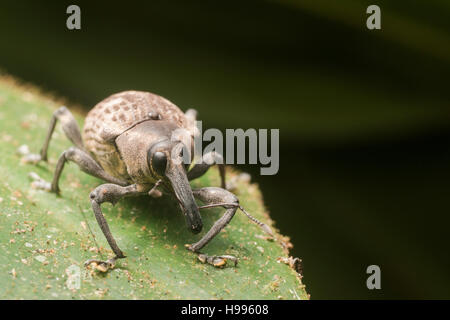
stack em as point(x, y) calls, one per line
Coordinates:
point(23, 150)
point(40, 258)
point(101, 292)
point(294, 263)
point(28, 157)
point(233, 182)
point(267, 238)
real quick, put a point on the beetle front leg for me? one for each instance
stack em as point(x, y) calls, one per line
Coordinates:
point(215, 196)
point(109, 193)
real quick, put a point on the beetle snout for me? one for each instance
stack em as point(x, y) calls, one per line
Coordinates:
point(192, 216)
point(176, 174)
point(196, 228)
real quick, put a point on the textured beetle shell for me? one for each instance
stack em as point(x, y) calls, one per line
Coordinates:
point(115, 115)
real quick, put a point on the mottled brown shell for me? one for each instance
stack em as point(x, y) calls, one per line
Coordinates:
point(115, 115)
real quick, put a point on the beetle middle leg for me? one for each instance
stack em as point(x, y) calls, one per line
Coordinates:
point(74, 154)
point(109, 193)
point(70, 128)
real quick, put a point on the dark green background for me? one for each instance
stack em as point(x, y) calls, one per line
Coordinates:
point(363, 115)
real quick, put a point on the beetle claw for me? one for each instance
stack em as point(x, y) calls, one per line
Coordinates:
point(39, 183)
point(217, 261)
point(100, 265)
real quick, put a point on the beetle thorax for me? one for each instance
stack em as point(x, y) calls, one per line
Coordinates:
point(133, 146)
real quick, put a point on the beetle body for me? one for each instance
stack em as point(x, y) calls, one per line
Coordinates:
point(129, 140)
point(119, 130)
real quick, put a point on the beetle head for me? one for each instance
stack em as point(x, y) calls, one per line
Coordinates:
point(165, 160)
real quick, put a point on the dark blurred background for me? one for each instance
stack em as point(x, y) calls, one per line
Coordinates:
point(363, 115)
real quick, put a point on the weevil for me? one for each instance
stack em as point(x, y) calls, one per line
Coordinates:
point(128, 141)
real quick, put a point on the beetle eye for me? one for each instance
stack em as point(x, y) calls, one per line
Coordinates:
point(159, 162)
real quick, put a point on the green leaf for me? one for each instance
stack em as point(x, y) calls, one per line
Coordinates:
point(44, 238)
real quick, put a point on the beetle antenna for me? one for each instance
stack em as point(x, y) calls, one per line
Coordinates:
point(262, 225)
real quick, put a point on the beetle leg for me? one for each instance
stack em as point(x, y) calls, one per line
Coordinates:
point(213, 195)
point(70, 127)
point(208, 160)
point(86, 163)
point(191, 117)
point(109, 193)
